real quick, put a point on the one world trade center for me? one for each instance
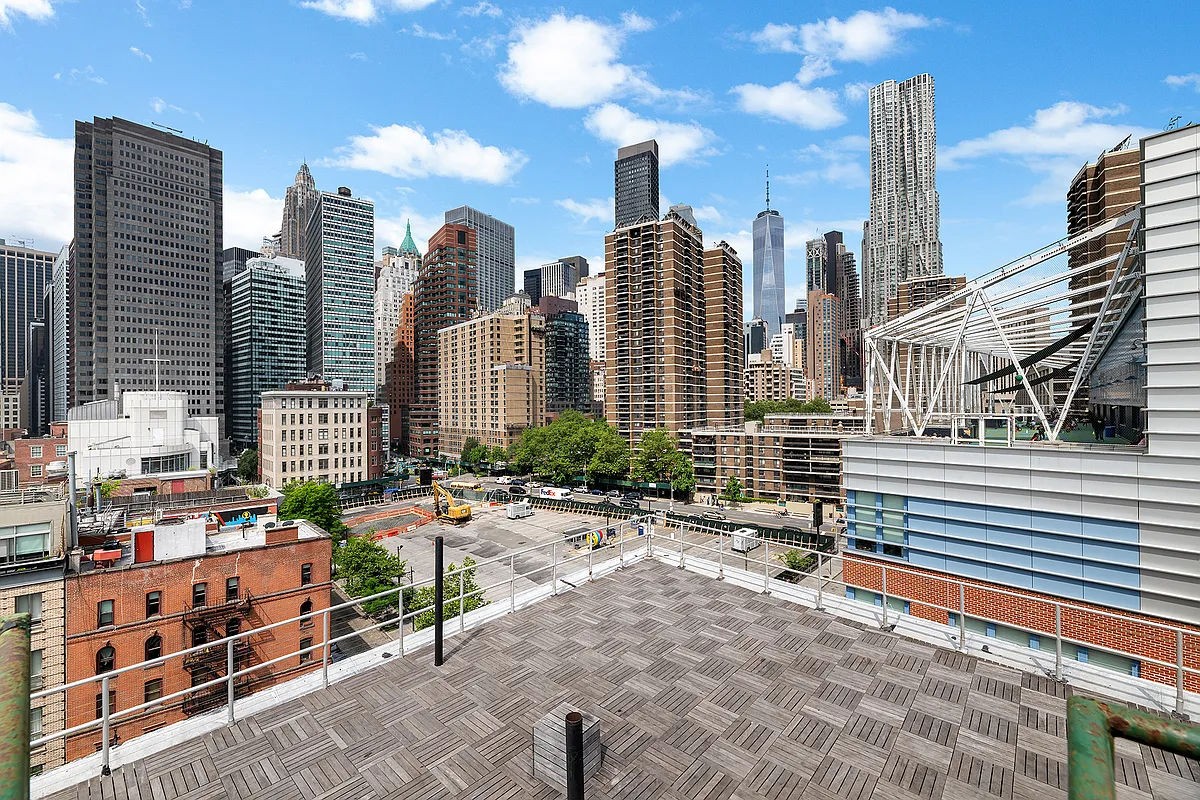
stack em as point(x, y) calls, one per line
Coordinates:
point(768, 268)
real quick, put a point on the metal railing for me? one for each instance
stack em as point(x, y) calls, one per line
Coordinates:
point(573, 557)
point(805, 575)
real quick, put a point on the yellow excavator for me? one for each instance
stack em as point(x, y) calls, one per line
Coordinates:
point(456, 511)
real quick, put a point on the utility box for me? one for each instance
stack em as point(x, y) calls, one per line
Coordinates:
point(550, 747)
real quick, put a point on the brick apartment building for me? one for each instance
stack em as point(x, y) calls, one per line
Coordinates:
point(157, 590)
point(42, 460)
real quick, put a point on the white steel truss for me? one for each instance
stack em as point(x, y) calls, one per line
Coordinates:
point(1022, 338)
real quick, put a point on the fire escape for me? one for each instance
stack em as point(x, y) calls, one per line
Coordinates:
point(208, 623)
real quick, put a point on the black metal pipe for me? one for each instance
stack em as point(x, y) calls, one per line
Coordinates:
point(574, 756)
point(439, 589)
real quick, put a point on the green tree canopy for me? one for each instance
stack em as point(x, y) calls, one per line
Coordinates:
point(757, 410)
point(659, 459)
point(316, 502)
point(248, 464)
point(571, 446)
point(733, 490)
point(472, 597)
point(473, 453)
point(366, 568)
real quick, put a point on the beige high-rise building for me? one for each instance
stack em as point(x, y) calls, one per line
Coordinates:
point(1100, 191)
point(655, 298)
point(771, 379)
point(492, 377)
point(725, 351)
point(822, 366)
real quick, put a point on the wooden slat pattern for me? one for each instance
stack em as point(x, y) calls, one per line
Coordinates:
point(702, 690)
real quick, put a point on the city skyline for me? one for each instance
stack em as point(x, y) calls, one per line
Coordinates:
point(550, 176)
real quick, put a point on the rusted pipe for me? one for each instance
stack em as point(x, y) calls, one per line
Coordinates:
point(14, 707)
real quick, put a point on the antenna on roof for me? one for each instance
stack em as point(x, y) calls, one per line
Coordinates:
point(1173, 123)
point(165, 128)
point(768, 187)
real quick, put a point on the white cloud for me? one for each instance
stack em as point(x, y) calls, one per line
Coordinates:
point(856, 92)
point(421, 32)
point(677, 141)
point(588, 210)
point(1058, 141)
point(75, 75)
point(358, 55)
point(140, 53)
point(813, 108)
point(864, 36)
point(249, 216)
point(814, 68)
point(636, 23)
point(35, 171)
point(40, 10)
point(408, 152)
point(159, 105)
point(1191, 79)
point(363, 12)
point(574, 62)
point(481, 9)
point(838, 161)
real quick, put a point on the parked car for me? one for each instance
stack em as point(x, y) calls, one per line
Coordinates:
point(504, 480)
point(534, 485)
point(597, 492)
point(517, 491)
point(714, 515)
point(634, 496)
point(627, 503)
point(612, 493)
point(518, 481)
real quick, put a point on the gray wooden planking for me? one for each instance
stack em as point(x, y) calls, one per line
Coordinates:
point(702, 689)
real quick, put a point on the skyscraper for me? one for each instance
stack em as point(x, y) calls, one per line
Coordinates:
point(725, 356)
point(397, 270)
point(559, 278)
point(532, 284)
point(25, 274)
point(1100, 191)
point(654, 274)
point(635, 179)
point(266, 339)
point(298, 203)
point(495, 259)
point(902, 236)
point(568, 365)
point(340, 283)
point(769, 277)
point(60, 337)
point(444, 295)
point(147, 265)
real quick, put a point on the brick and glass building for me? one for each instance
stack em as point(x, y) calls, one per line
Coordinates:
point(41, 460)
point(568, 381)
point(146, 308)
point(495, 255)
point(767, 378)
point(320, 431)
point(396, 271)
point(142, 594)
point(400, 375)
point(724, 357)
point(445, 294)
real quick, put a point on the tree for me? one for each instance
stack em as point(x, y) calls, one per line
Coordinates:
point(797, 562)
point(497, 455)
point(248, 464)
point(473, 598)
point(316, 502)
point(610, 459)
point(733, 490)
point(108, 487)
point(366, 568)
point(659, 457)
point(473, 453)
point(568, 447)
point(758, 409)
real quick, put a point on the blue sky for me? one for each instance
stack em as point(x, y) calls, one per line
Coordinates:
point(517, 109)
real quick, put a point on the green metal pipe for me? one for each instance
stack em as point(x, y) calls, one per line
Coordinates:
point(14, 707)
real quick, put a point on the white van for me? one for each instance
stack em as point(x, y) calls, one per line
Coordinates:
point(555, 494)
point(518, 510)
point(745, 540)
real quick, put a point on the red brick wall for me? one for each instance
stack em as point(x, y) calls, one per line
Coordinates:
point(24, 460)
point(930, 592)
point(271, 575)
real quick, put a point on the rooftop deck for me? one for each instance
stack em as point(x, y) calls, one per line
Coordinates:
point(704, 690)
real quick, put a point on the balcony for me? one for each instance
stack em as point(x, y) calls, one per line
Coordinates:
point(214, 659)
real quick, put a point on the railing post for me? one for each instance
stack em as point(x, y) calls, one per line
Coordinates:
point(962, 618)
point(766, 565)
point(105, 728)
point(1179, 671)
point(439, 598)
point(229, 681)
point(591, 554)
point(622, 545)
point(720, 555)
point(1058, 667)
point(462, 599)
point(681, 556)
point(512, 583)
point(554, 567)
point(883, 587)
point(400, 617)
point(325, 649)
point(820, 582)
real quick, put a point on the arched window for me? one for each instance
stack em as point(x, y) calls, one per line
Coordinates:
point(106, 659)
point(306, 607)
point(153, 647)
point(234, 627)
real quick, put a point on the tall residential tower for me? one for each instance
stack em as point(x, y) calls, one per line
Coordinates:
point(146, 303)
point(495, 259)
point(901, 241)
point(396, 272)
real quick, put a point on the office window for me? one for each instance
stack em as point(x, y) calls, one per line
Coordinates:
point(200, 594)
point(153, 604)
point(35, 451)
point(30, 604)
point(305, 574)
point(106, 659)
point(153, 647)
point(112, 703)
point(306, 657)
point(104, 613)
point(231, 589)
point(152, 691)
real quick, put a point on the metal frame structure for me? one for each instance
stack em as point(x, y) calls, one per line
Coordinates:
point(1023, 322)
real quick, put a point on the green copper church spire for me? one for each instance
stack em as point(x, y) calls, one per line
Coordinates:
point(408, 245)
